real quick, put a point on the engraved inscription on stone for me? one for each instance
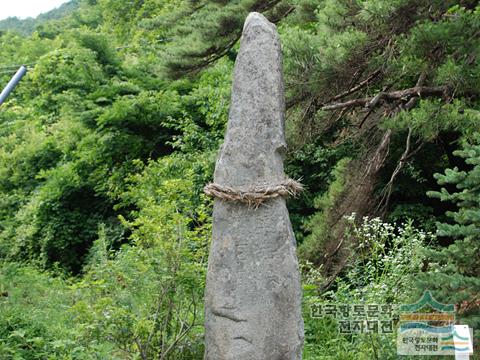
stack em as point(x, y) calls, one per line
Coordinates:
point(253, 291)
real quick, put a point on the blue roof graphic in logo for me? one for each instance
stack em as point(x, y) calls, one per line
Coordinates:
point(427, 300)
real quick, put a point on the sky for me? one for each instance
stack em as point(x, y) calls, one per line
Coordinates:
point(27, 8)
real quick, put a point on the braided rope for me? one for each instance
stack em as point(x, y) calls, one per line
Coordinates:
point(256, 195)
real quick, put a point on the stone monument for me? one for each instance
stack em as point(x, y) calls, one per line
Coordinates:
point(253, 292)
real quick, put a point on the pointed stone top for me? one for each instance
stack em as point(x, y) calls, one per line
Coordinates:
point(252, 154)
point(256, 19)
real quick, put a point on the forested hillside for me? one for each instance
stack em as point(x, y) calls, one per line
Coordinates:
point(107, 142)
point(29, 25)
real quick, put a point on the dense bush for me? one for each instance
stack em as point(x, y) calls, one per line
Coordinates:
point(387, 260)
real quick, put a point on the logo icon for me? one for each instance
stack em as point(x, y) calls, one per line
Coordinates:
point(427, 327)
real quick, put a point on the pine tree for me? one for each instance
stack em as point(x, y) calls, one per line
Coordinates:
point(455, 270)
point(211, 32)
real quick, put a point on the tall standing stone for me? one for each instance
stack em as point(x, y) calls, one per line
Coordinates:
point(253, 291)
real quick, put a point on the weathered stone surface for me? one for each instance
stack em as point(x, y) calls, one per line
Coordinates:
point(253, 292)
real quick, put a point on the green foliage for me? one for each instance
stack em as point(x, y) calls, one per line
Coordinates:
point(454, 270)
point(386, 260)
point(65, 70)
point(145, 298)
point(315, 58)
point(318, 224)
point(142, 114)
point(57, 224)
point(210, 32)
point(102, 45)
point(312, 164)
point(431, 118)
point(36, 318)
point(165, 269)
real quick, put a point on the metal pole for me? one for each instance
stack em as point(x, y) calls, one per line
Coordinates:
point(12, 83)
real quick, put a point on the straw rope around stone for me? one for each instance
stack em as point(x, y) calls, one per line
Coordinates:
point(254, 196)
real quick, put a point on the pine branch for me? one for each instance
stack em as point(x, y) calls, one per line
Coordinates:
point(356, 87)
point(212, 54)
point(405, 94)
point(219, 53)
point(387, 191)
